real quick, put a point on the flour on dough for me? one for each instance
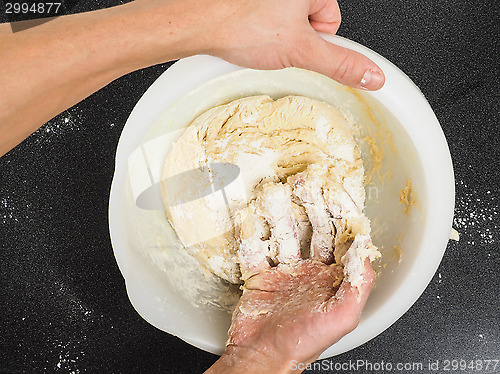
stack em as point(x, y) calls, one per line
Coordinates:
point(305, 147)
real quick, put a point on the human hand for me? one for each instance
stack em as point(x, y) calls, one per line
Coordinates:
point(264, 34)
point(289, 313)
point(80, 53)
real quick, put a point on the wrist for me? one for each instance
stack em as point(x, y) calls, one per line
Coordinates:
point(241, 360)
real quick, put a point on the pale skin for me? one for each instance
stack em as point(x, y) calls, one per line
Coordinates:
point(289, 313)
point(51, 67)
point(307, 314)
point(48, 68)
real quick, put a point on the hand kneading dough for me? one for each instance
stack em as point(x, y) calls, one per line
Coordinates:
point(295, 141)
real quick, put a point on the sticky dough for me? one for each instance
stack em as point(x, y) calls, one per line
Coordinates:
point(303, 146)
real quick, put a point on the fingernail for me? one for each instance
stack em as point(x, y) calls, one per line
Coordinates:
point(372, 80)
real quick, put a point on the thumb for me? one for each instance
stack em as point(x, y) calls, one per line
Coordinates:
point(346, 306)
point(341, 64)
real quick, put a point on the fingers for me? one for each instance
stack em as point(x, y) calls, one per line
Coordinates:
point(354, 297)
point(366, 286)
point(351, 68)
point(348, 219)
point(275, 205)
point(307, 186)
point(260, 35)
point(341, 64)
point(253, 246)
point(267, 231)
point(348, 303)
point(354, 259)
point(324, 16)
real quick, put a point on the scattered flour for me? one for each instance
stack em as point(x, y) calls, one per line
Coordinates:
point(68, 357)
point(59, 126)
point(476, 215)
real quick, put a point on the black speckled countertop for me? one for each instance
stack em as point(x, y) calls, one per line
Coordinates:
point(64, 306)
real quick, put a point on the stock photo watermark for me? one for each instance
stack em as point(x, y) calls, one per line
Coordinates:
point(453, 365)
point(26, 14)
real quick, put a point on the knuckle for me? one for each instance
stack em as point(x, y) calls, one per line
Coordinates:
point(300, 50)
point(345, 68)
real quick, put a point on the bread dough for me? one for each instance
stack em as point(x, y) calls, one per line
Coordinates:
point(298, 147)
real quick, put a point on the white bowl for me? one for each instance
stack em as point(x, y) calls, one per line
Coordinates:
point(397, 119)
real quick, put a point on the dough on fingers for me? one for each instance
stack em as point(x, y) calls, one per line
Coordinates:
point(299, 192)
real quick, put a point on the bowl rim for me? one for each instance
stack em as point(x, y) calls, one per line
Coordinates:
point(423, 129)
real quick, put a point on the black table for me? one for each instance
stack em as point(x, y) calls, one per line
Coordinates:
point(64, 306)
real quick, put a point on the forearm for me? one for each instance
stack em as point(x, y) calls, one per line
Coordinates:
point(49, 68)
